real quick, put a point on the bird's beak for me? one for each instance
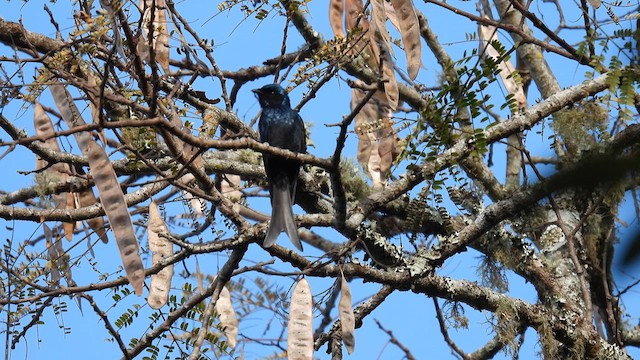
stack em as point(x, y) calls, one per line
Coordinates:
point(257, 91)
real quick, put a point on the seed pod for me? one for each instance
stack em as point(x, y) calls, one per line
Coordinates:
point(160, 248)
point(336, 10)
point(106, 180)
point(300, 340)
point(227, 316)
point(158, 30)
point(407, 19)
point(347, 320)
point(56, 172)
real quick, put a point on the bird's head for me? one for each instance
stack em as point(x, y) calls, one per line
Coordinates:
point(272, 95)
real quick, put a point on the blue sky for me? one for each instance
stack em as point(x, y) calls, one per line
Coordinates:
point(240, 43)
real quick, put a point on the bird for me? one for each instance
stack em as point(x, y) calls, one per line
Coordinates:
point(282, 127)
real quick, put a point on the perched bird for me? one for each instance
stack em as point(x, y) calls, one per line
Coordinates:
point(282, 127)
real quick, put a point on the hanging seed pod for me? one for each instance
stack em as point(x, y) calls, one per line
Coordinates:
point(56, 172)
point(347, 320)
point(106, 180)
point(228, 317)
point(160, 248)
point(409, 28)
point(158, 30)
point(300, 340)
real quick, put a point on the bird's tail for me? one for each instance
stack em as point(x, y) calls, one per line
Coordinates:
point(282, 218)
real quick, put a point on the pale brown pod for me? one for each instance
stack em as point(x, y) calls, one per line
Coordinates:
point(367, 154)
point(58, 171)
point(69, 227)
point(200, 278)
point(365, 40)
point(300, 330)
point(160, 248)
point(489, 34)
point(195, 203)
point(391, 14)
point(595, 3)
point(409, 28)
point(87, 198)
point(52, 254)
point(391, 84)
point(159, 30)
point(378, 23)
point(106, 180)
point(44, 129)
point(58, 260)
point(229, 187)
point(376, 137)
point(386, 136)
point(347, 319)
point(336, 10)
point(353, 10)
point(227, 316)
point(383, 41)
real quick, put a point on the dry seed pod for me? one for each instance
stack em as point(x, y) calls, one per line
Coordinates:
point(58, 171)
point(44, 129)
point(365, 39)
point(87, 198)
point(160, 248)
point(391, 14)
point(383, 40)
point(57, 258)
point(489, 34)
point(196, 206)
point(160, 32)
point(113, 22)
point(376, 137)
point(69, 227)
point(229, 187)
point(199, 278)
point(336, 9)
point(300, 339)
point(391, 84)
point(62, 263)
point(106, 180)
point(379, 19)
point(378, 25)
point(347, 320)
point(52, 254)
point(409, 28)
point(227, 316)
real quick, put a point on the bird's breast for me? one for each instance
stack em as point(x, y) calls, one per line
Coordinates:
point(281, 128)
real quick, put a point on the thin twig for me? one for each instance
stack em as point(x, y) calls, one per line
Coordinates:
point(395, 341)
point(35, 319)
point(329, 305)
point(445, 333)
point(107, 324)
point(340, 200)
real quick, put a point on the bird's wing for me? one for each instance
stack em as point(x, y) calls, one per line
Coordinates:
point(302, 141)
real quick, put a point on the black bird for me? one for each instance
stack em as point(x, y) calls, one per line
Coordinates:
point(282, 127)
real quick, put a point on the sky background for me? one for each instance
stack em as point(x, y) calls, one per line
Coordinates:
point(241, 43)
